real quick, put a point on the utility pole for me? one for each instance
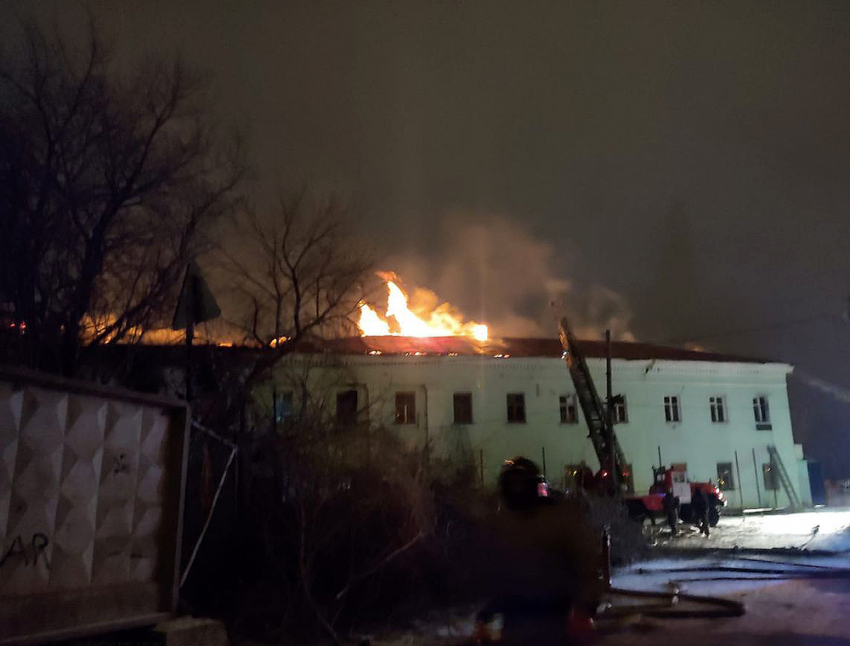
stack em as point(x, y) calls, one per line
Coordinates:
point(609, 416)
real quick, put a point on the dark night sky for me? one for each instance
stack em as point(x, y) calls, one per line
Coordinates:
point(684, 166)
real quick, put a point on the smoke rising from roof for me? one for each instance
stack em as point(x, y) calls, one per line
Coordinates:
point(497, 272)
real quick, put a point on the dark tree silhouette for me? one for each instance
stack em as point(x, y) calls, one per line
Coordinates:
point(109, 178)
point(297, 272)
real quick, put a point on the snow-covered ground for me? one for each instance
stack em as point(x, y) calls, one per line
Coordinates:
point(793, 598)
point(780, 609)
point(822, 529)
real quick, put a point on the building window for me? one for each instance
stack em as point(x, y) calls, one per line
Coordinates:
point(671, 409)
point(405, 408)
point(761, 412)
point(516, 408)
point(282, 405)
point(771, 482)
point(568, 408)
point(619, 415)
point(725, 480)
point(346, 407)
point(463, 408)
point(718, 409)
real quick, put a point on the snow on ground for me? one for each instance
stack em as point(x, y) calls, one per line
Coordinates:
point(779, 609)
point(697, 575)
point(794, 613)
point(821, 529)
point(801, 607)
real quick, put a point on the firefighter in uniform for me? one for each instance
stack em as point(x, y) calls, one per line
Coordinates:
point(699, 503)
point(546, 581)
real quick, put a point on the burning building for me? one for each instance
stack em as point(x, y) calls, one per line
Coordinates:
point(478, 401)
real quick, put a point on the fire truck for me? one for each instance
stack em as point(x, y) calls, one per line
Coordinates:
point(671, 492)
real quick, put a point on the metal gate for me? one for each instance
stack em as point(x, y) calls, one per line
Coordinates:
point(91, 497)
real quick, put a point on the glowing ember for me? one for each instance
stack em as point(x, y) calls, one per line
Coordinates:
point(441, 321)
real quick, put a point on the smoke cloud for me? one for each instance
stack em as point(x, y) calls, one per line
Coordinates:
point(495, 272)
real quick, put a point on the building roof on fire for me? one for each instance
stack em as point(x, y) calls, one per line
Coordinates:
point(514, 347)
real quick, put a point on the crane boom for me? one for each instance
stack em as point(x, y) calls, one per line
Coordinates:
point(603, 438)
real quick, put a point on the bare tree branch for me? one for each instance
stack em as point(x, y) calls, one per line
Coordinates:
point(108, 182)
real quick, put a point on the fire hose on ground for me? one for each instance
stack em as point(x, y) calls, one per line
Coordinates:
point(721, 607)
point(672, 601)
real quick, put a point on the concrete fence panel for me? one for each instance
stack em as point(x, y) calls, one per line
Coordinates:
point(91, 483)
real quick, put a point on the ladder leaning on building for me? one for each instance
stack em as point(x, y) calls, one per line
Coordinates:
point(779, 467)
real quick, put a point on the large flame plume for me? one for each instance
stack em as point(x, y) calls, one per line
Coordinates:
point(440, 321)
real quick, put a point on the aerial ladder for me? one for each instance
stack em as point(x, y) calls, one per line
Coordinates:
point(613, 467)
point(600, 428)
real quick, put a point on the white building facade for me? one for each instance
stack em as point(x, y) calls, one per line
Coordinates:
point(717, 415)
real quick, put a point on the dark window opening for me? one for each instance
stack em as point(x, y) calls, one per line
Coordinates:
point(619, 414)
point(463, 408)
point(346, 407)
point(718, 409)
point(516, 408)
point(568, 409)
point(761, 413)
point(282, 405)
point(771, 482)
point(671, 409)
point(725, 480)
point(405, 408)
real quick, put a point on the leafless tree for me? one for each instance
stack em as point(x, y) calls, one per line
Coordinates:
point(284, 279)
point(297, 273)
point(109, 178)
point(351, 499)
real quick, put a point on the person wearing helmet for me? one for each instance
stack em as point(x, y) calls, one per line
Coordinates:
point(547, 582)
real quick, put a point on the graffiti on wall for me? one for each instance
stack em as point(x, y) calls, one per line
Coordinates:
point(27, 551)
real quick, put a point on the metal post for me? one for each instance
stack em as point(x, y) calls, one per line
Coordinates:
point(543, 450)
point(740, 484)
point(427, 431)
point(606, 557)
point(660, 463)
point(773, 472)
point(190, 335)
point(481, 464)
point(756, 471)
point(609, 419)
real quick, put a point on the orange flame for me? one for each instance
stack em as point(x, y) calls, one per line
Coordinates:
point(441, 321)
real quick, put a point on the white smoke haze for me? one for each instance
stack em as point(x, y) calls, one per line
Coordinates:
point(496, 273)
point(840, 393)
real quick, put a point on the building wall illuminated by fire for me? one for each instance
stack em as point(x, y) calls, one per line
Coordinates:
point(483, 403)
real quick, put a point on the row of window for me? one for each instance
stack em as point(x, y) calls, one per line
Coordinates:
point(405, 408)
point(405, 413)
point(726, 481)
point(672, 410)
point(717, 406)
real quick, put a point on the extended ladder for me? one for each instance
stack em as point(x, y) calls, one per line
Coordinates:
point(787, 485)
point(594, 412)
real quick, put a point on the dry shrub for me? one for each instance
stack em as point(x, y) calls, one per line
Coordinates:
point(627, 540)
point(339, 524)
